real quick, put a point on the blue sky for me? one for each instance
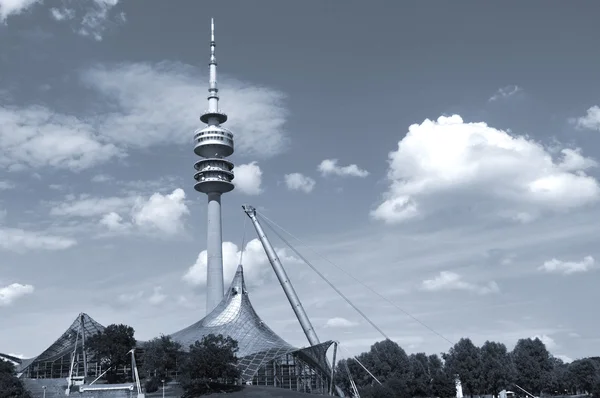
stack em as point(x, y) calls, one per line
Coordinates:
point(445, 154)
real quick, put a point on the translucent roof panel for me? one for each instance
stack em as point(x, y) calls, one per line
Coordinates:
point(235, 317)
point(65, 344)
point(316, 356)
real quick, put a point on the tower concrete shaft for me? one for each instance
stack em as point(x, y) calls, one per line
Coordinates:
point(214, 253)
point(214, 176)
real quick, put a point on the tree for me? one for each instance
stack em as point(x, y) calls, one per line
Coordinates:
point(496, 368)
point(400, 386)
point(596, 388)
point(464, 359)
point(110, 348)
point(10, 385)
point(533, 365)
point(211, 360)
point(360, 376)
point(584, 373)
point(561, 380)
point(442, 383)
point(378, 391)
point(161, 355)
point(341, 376)
point(387, 360)
point(420, 376)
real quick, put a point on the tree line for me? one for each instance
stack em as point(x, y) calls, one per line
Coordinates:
point(484, 370)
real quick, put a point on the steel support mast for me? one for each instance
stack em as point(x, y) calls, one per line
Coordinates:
point(307, 327)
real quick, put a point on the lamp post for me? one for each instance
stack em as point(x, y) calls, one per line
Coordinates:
point(44, 388)
point(163, 382)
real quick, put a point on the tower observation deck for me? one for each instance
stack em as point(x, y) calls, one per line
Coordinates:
point(214, 175)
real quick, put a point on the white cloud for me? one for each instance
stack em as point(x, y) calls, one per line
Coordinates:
point(444, 159)
point(97, 18)
point(14, 7)
point(573, 161)
point(18, 240)
point(591, 121)
point(186, 303)
point(10, 293)
point(62, 14)
point(505, 92)
point(140, 297)
point(547, 340)
point(114, 222)
point(155, 184)
point(564, 358)
point(447, 280)
point(6, 185)
point(574, 335)
point(161, 212)
point(248, 178)
point(157, 296)
point(158, 213)
point(101, 178)
point(330, 167)
point(37, 137)
point(86, 206)
point(339, 322)
point(130, 298)
point(299, 182)
point(256, 264)
point(568, 267)
point(89, 18)
point(158, 104)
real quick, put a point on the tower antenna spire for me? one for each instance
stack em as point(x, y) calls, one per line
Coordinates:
point(214, 176)
point(213, 98)
point(212, 30)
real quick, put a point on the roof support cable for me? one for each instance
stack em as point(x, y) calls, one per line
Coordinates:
point(361, 364)
point(353, 387)
point(362, 283)
point(326, 280)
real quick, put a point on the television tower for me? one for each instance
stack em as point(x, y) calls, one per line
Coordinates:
point(214, 175)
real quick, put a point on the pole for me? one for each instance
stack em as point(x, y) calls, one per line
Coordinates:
point(307, 327)
point(333, 368)
point(163, 383)
point(525, 391)
point(85, 364)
